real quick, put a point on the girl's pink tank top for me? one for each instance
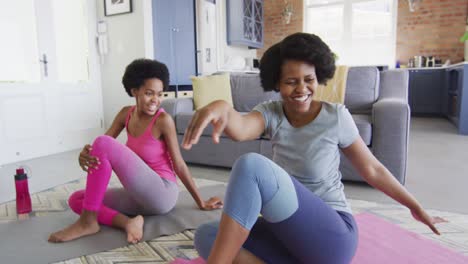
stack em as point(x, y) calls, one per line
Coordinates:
point(153, 151)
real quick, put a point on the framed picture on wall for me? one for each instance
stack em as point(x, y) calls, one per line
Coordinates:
point(117, 7)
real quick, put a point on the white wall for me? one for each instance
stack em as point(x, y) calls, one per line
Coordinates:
point(127, 41)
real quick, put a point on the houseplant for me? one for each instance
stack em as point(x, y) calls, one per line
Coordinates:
point(464, 39)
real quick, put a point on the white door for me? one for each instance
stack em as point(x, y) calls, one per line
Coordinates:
point(50, 88)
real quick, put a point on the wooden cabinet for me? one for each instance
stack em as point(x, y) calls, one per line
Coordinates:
point(454, 86)
point(441, 92)
point(245, 23)
point(456, 100)
point(426, 90)
point(174, 40)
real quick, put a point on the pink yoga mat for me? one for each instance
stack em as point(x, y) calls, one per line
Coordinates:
point(383, 242)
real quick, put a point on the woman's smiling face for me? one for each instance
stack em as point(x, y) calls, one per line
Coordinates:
point(297, 85)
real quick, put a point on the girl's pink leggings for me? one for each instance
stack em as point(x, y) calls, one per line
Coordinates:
point(144, 191)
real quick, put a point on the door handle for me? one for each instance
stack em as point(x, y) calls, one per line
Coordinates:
point(44, 61)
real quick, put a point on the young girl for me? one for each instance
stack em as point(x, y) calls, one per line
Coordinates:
point(305, 215)
point(146, 166)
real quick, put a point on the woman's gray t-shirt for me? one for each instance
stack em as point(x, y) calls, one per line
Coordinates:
point(311, 153)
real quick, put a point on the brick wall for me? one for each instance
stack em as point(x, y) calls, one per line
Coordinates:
point(433, 29)
point(274, 27)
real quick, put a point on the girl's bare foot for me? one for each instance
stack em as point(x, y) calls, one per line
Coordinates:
point(134, 229)
point(79, 229)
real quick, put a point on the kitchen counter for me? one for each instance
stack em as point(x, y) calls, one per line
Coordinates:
point(440, 91)
point(436, 68)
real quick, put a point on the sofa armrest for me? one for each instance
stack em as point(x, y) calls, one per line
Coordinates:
point(173, 106)
point(391, 122)
point(390, 135)
point(394, 84)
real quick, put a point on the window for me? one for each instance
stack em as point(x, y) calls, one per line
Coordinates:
point(71, 40)
point(360, 32)
point(44, 41)
point(19, 50)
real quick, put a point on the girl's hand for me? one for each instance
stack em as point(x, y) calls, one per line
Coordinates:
point(87, 161)
point(423, 217)
point(211, 204)
point(215, 113)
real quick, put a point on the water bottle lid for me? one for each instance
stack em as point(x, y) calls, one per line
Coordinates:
point(20, 175)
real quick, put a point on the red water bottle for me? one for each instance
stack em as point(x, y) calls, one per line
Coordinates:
point(23, 199)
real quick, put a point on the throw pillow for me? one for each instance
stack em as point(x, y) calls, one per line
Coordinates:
point(334, 91)
point(207, 89)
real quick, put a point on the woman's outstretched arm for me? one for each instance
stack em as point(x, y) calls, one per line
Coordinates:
point(226, 120)
point(382, 179)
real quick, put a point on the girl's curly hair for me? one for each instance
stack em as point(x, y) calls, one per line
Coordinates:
point(142, 69)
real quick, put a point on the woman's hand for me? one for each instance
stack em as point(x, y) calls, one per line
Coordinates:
point(211, 204)
point(87, 161)
point(216, 113)
point(422, 216)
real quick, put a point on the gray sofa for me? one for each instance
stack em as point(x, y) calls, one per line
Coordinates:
point(378, 102)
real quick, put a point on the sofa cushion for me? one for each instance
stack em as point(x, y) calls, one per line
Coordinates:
point(207, 89)
point(183, 119)
point(362, 89)
point(364, 125)
point(247, 92)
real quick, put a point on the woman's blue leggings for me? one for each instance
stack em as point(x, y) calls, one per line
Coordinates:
point(296, 226)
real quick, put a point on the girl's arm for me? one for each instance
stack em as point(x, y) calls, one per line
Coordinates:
point(168, 132)
point(382, 179)
point(119, 123)
point(224, 119)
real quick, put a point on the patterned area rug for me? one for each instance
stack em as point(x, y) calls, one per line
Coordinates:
point(165, 249)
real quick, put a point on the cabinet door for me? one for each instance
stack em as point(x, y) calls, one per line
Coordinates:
point(163, 31)
point(454, 82)
point(245, 22)
point(184, 41)
point(174, 38)
point(248, 29)
point(425, 91)
point(258, 21)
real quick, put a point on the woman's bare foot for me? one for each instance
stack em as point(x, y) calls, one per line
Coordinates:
point(80, 228)
point(134, 229)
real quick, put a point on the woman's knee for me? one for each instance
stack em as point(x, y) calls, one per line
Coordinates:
point(205, 237)
point(248, 163)
point(249, 160)
point(75, 201)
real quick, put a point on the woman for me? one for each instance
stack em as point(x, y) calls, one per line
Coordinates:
point(305, 217)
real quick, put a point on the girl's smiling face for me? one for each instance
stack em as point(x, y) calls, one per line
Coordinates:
point(149, 96)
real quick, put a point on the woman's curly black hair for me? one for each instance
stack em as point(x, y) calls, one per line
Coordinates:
point(304, 47)
point(142, 69)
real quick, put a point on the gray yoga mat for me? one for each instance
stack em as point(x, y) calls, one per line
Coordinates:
point(25, 241)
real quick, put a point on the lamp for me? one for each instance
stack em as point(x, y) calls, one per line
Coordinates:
point(287, 12)
point(413, 4)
